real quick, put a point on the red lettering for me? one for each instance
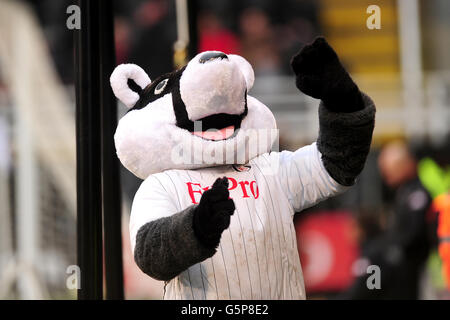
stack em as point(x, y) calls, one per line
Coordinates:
point(243, 184)
point(192, 191)
point(255, 191)
point(244, 191)
point(233, 183)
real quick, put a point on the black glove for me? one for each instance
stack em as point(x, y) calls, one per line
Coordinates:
point(320, 75)
point(212, 215)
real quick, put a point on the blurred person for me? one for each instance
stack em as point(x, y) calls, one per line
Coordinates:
point(214, 36)
point(122, 38)
point(258, 43)
point(437, 181)
point(402, 249)
point(442, 205)
point(290, 39)
point(156, 33)
point(296, 24)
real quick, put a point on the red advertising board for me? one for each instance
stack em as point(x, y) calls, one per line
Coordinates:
point(328, 248)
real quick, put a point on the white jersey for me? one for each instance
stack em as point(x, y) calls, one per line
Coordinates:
point(257, 257)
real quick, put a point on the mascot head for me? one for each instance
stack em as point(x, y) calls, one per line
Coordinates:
point(198, 116)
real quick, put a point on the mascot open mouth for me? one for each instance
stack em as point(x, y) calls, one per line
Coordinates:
point(216, 135)
point(215, 127)
point(218, 127)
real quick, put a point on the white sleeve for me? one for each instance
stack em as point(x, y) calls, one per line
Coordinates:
point(303, 177)
point(151, 202)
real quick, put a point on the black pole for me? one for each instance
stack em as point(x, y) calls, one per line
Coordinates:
point(89, 193)
point(193, 28)
point(110, 166)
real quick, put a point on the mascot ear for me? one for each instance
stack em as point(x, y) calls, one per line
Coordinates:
point(121, 82)
point(246, 69)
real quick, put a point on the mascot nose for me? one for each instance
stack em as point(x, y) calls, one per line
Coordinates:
point(208, 56)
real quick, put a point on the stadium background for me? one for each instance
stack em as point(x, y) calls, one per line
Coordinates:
point(404, 66)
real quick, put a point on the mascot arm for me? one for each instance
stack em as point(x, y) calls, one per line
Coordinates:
point(168, 241)
point(162, 236)
point(168, 246)
point(303, 177)
point(346, 116)
point(344, 140)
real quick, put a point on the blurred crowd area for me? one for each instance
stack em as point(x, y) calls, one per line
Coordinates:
point(265, 32)
point(392, 218)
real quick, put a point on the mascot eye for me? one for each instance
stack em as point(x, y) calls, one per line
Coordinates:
point(160, 86)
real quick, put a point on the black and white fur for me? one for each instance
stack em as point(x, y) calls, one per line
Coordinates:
point(162, 113)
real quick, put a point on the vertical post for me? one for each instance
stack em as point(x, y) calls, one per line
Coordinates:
point(193, 28)
point(186, 45)
point(411, 67)
point(27, 207)
point(89, 193)
point(110, 165)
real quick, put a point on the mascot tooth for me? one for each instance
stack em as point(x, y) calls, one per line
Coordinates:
point(214, 215)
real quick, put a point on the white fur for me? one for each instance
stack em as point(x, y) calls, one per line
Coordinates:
point(119, 79)
point(220, 88)
point(246, 69)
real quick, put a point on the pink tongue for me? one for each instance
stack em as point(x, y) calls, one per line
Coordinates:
point(217, 134)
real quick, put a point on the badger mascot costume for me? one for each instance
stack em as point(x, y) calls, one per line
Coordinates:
point(214, 215)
